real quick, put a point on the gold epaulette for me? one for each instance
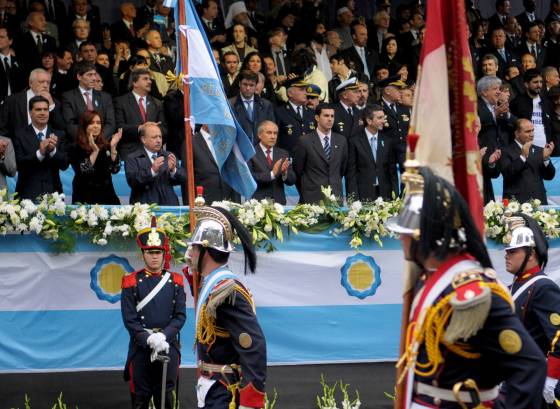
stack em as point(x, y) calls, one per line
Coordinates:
point(207, 330)
point(457, 317)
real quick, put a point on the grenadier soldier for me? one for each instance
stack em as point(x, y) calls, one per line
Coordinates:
point(294, 118)
point(463, 337)
point(230, 345)
point(153, 310)
point(536, 296)
point(347, 117)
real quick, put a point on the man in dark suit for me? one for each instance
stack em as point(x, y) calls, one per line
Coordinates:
point(398, 116)
point(249, 108)
point(528, 16)
point(413, 37)
point(532, 46)
point(14, 113)
point(536, 108)
point(213, 28)
point(321, 158)
point(126, 30)
point(271, 166)
point(498, 48)
point(372, 162)
point(525, 166)
point(495, 125)
point(503, 8)
point(135, 109)
point(347, 118)
point(84, 10)
point(377, 28)
point(206, 171)
point(12, 79)
point(40, 153)
point(364, 59)
point(294, 118)
point(84, 97)
point(34, 42)
point(152, 172)
point(158, 61)
point(230, 62)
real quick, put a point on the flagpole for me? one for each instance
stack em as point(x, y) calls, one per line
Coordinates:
point(189, 162)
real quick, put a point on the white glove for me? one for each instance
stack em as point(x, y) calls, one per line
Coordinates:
point(155, 339)
point(163, 346)
point(548, 392)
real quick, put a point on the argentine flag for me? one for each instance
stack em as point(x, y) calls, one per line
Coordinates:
point(209, 104)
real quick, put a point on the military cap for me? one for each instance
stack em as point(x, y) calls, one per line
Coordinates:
point(350, 83)
point(313, 91)
point(295, 82)
point(394, 81)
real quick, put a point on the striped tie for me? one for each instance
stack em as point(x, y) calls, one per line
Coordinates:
point(327, 147)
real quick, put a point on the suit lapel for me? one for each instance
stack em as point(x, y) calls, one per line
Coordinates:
point(367, 147)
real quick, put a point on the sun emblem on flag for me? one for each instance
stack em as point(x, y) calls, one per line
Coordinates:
point(360, 276)
point(106, 277)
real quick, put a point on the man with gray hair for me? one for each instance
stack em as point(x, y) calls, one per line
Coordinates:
point(7, 161)
point(14, 113)
point(496, 125)
point(34, 42)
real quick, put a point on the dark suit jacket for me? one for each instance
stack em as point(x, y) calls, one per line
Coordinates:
point(522, 107)
point(523, 20)
point(372, 60)
point(73, 105)
point(344, 123)
point(523, 180)
point(146, 188)
point(262, 110)
point(13, 114)
point(313, 170)
point(128, 117)
point(291, 127)
point(119, 31)
point(165, 64)
point(493, 135)
point(541, 53)
point(364, 172)
point(207, 174)
point(37, 177)
point(511, 58)
point(173, 108)
point(268, 187)
point(27, 52)
point(18, 81)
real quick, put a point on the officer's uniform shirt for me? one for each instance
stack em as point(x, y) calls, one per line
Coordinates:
point(538, 308)
point(347, 120)
point(291, 126)
point(501, 350)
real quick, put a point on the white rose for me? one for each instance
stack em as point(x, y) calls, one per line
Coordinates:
point(513, 206)
point(102, 242)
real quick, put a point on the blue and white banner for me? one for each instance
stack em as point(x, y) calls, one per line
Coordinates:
point(209, 105)
point(317, 301)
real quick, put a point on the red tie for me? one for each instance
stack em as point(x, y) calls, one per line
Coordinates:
point(142, 110)
point(268, 158)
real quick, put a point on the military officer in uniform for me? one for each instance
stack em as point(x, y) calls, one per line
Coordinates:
point(536, 296)
point(153, 310)
point(347, 117)
point(398, 115)
point(294, 118)
point(463, 337)
point(230, 345)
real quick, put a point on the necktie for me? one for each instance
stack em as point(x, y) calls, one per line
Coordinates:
point(364, 61)
point(249, 108)
point(40, 136)
point(350, 111)
point(154, 156)
point(142, 110)
point(268, 158)
point(327, 147)
point(7, 68)
point(503, 54)
point(131, 28)
point(393, 108)
point(373, 143)
point(280, 64)
point(534, 51)
point(89, 103)
point(300, 114)
point(39, 44)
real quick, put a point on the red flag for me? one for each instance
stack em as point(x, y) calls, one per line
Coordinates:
point(444, 110)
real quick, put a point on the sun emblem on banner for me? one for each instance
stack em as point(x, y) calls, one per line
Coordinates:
point(360, 276)
point(106, 277)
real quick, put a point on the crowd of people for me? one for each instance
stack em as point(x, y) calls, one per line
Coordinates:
point(324, 93)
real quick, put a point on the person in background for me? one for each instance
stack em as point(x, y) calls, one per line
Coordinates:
point(8, 166)
point(313, 94)
point(94, 160)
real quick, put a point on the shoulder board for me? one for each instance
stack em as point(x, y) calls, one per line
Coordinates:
point(221, 291)
point(470, 300)
point(129, 280)
point(178, 279)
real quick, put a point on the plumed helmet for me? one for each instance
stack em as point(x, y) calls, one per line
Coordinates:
point(213, 230)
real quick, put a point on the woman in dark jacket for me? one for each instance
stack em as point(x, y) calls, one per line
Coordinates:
point(94, 160)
